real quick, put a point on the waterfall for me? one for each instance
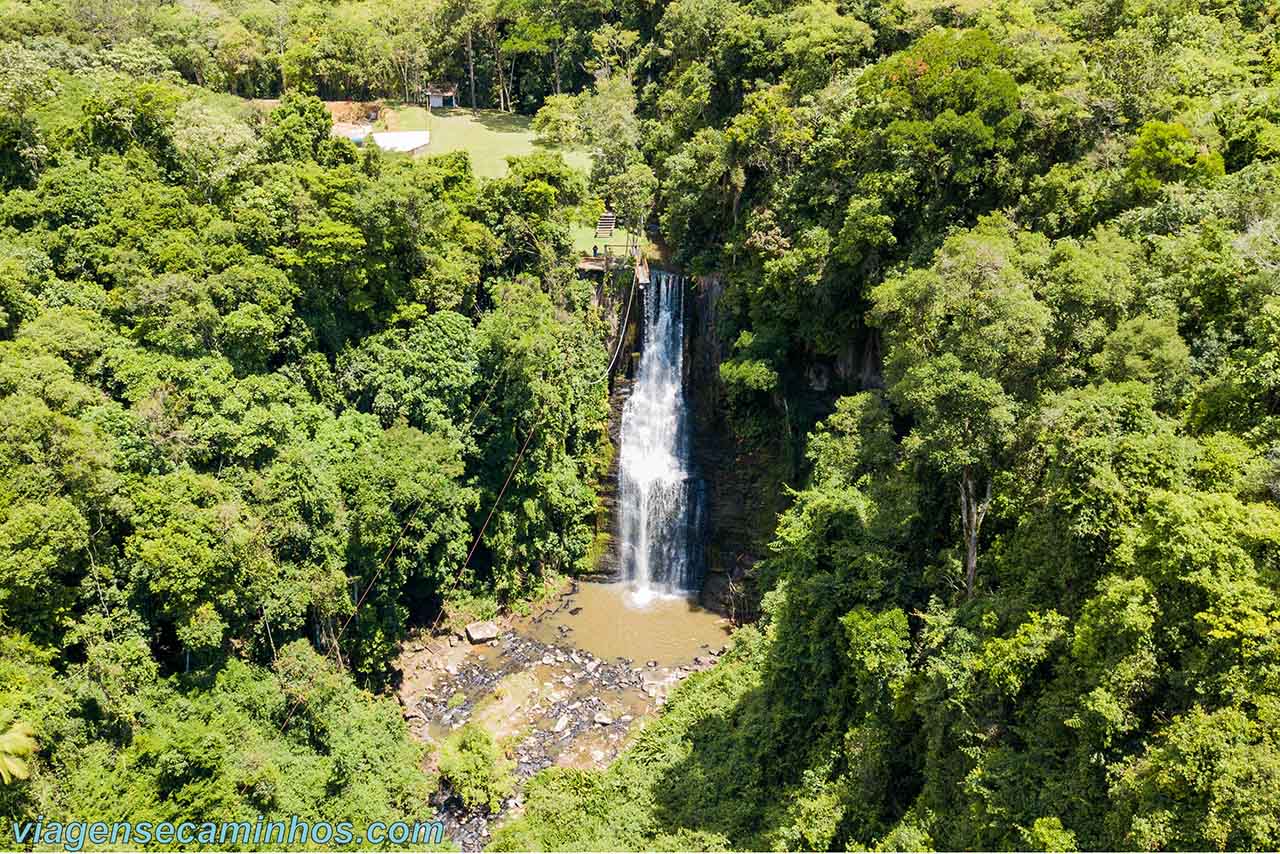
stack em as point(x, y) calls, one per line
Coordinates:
point(659, 498)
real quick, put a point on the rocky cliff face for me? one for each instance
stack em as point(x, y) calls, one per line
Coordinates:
point(744, 484)
point(625, 340)
point(606, 563)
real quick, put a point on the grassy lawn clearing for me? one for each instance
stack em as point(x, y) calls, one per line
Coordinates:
point(489, 136)
point(404, 118)
point(584, 237)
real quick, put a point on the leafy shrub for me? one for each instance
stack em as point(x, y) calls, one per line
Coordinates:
point(473, 767)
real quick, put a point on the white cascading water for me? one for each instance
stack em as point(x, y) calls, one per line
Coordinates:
point(658, 497)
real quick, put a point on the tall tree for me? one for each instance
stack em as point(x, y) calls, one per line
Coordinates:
point(965, 338)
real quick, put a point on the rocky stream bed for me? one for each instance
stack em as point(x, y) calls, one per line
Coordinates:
point(545, 703)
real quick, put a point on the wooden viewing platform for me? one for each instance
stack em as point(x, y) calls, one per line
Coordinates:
point(616, 255)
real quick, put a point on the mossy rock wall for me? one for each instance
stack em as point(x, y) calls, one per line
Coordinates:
point(744, 485)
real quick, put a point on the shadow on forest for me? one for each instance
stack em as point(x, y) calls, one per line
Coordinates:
point(744, 775)
point(718, 787)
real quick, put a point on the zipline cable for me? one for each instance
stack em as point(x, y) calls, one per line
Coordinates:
point(457, 576)
point(480, 535)
point(622, 330)
point(476, 543)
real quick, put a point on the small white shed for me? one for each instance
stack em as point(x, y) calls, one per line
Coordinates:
point(442, 95)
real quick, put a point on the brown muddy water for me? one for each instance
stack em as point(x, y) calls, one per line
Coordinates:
point(607, 621)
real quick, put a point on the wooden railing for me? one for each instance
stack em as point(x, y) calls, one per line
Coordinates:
point(614, 255)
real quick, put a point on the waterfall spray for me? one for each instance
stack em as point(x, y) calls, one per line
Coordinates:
point(658, 494)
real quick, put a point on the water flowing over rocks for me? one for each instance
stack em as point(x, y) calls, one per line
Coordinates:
point(531, 683)
point(659, 496)
point(545, 703)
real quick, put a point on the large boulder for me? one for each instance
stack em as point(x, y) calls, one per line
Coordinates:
point(482, 631)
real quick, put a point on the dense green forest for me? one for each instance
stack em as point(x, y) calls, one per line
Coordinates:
point(1001, 295)
point(502, 53)
point(252, 379)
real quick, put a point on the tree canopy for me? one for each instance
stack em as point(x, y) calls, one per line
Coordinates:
point(260, 394)
point(992, 297)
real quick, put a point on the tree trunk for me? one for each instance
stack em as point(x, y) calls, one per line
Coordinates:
point(972, 511)
point(471, 69)
point(497, 64)
point(496, 50)
point(511, 87)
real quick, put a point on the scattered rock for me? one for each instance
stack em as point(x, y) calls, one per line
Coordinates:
point(651, 663)
point(575, 611)
point(482, 631)
point(569, 718)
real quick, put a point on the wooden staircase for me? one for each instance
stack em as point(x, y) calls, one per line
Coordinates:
point(606, 224)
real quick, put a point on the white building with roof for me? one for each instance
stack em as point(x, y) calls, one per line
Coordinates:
point(401, 141)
